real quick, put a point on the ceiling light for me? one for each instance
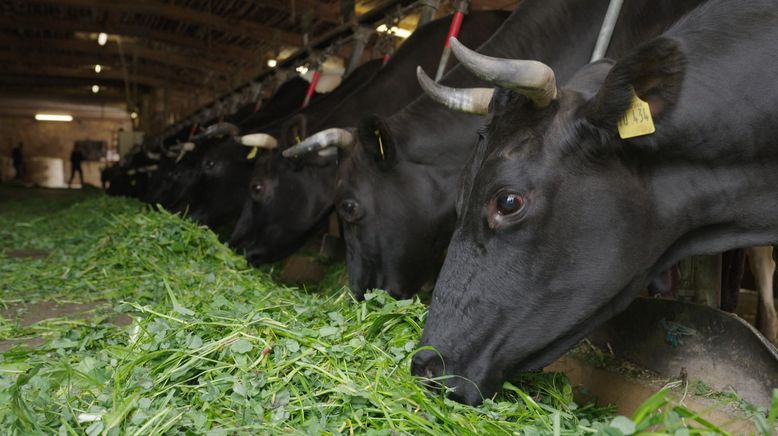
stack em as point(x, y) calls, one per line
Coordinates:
point(133, 115)
point(102, 38)
point(95, 89)
point(302, 69)
point(53, 117)
point(394, 30)
point(272, 63)
point(98, 68)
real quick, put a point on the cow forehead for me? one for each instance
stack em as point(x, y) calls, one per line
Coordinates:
point(519, 131)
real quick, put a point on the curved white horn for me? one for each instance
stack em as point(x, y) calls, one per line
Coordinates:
point(468, 100)
point(185, 148)
point(220, 129)
point(260, 140)
point(148, 169)
point(334, 137)
point(152, 155)
point(168, 152)
point(533, 79)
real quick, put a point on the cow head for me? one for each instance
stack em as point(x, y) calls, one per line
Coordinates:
point(558, 226)
point(395, 207)
point(216, 194)
point(179, 166)
point(288, 200)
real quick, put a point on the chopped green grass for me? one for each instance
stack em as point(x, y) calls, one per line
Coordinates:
point(216, 347)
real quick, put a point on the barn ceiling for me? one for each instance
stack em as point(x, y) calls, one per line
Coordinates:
point(164, 55)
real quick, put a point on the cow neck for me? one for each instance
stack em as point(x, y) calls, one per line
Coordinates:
point(568, 31)
point(323, 105)
point(283, 102)
point(714, 157)
point(395, 85)
point(702, 209)
point(560, 33)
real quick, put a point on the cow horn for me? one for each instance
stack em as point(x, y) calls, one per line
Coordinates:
point(220, 129)
point(260, 140)
point(533, 79)
point(468, 100)
point(334, 137)
point(152, 155)
point(185, 148)
point(167, 151)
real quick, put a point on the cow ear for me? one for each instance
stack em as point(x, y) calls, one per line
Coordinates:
point(654, 72)
point(294, 130)
point(376, 138)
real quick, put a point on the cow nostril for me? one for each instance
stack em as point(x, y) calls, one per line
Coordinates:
point(427, 364)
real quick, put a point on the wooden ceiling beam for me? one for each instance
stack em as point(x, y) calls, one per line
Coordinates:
point(92, 49)
point(74, 94)
point(222, 51)
point(42, 72)
point(230, 26)
point(82, 63)
point(323, 11)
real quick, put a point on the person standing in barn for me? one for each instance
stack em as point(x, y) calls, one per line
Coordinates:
point(75, 165)
point(18, 160)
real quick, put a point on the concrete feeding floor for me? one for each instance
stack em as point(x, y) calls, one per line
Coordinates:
point(28, 314)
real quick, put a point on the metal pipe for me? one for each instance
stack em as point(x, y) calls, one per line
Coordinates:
point(606, 31)
point(461, 7)
point(368, 19)
point(311, 87)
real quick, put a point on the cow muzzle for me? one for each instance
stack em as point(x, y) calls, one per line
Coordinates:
point(436, 373)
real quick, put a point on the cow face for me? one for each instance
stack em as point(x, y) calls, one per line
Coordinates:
point(557, 229)
point(396, 214)
point(178, 171)
point(220, 188)
point(288, 200)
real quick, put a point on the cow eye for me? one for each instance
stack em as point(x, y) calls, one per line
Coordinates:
point(350, 210)
point(256, 190)
point(209, 164)
point(509, 203)
point(504, 208)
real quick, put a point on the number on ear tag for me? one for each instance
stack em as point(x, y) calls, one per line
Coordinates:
point(637, 120)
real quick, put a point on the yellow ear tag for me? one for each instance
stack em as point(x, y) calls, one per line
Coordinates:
point(297, 138)
point(637, 120)
point(380, 143)
point(253, 153)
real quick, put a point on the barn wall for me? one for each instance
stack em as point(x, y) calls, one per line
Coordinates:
point(53, 140)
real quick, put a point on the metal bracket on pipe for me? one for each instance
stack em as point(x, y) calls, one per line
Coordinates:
point(362, 35)
point(428, 10)
point(606, 31)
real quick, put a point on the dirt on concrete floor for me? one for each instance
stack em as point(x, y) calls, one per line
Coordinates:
point(27, 314)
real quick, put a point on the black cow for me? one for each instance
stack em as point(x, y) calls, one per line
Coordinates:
point(217, 190)
point(561, 223)
point(398, 207)
point(285, 101)
point(180, 164)
point(291, 200)
point(178, 172)
point(132, 176)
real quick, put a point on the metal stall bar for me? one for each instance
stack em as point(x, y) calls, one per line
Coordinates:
point(461, 7)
